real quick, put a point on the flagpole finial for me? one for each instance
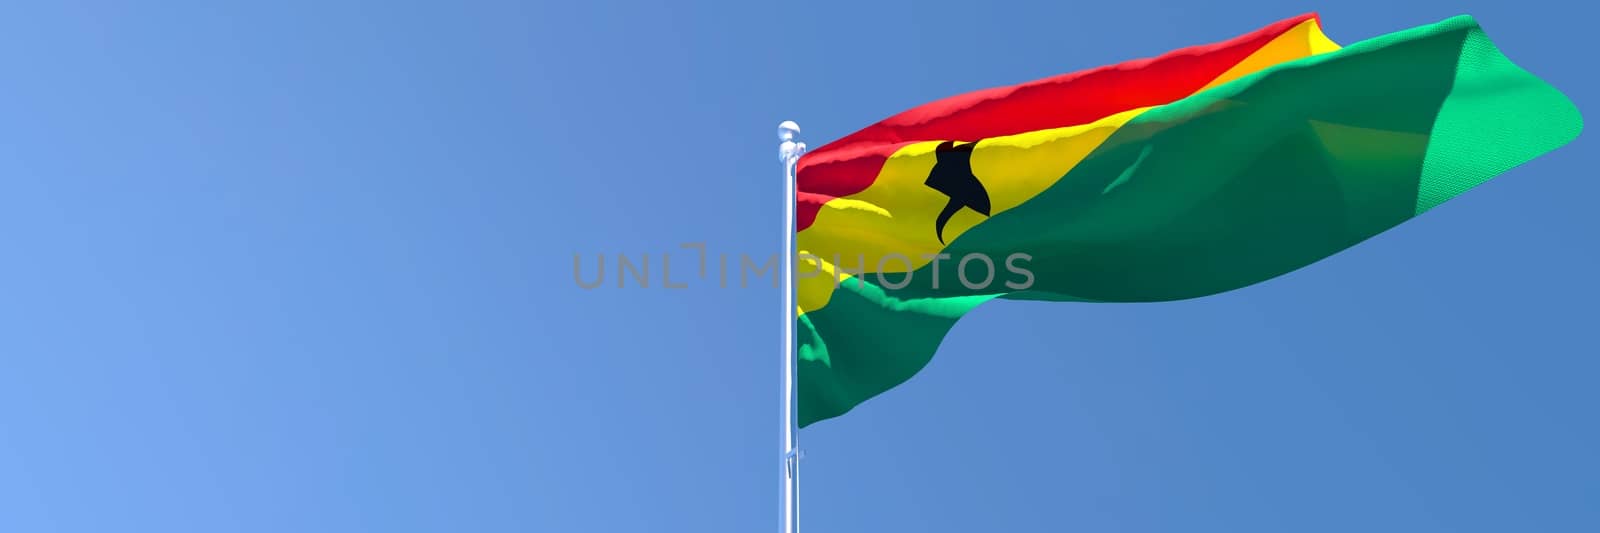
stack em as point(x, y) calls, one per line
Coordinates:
point(791, 147)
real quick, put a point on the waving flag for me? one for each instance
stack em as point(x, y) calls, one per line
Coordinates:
point(1200, 171)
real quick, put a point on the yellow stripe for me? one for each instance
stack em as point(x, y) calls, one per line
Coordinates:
point(889, 227)
point(1304, 40)
point(894, 217)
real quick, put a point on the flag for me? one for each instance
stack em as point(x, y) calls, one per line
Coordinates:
point(1196, 172)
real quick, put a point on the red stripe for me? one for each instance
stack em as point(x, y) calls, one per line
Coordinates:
point(849, 165)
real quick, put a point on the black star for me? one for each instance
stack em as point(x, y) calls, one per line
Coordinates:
point(952, 175)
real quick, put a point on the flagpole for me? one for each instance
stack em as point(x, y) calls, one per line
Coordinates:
point(789, 151)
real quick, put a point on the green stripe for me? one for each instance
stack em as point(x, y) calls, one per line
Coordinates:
point(1498, 116)
point(1227, 188)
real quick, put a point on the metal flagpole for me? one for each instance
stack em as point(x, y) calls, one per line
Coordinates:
point(789, 152)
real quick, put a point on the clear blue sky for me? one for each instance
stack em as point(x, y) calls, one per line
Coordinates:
point(307, 266)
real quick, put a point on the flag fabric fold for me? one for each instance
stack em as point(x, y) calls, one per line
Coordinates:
point(1200, 171)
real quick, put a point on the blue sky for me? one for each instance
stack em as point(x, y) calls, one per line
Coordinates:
point(306, 266)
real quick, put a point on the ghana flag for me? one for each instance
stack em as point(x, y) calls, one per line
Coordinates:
point(1200, 171)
